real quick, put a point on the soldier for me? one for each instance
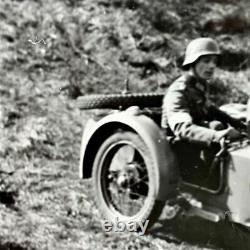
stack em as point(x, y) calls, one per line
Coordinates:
point(188, 114)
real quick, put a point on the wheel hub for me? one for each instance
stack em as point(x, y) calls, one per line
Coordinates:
point(128, 175)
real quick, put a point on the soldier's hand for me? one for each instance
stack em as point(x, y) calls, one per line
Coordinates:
point(232, 134)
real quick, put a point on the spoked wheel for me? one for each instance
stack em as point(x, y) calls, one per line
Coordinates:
point(125, 180)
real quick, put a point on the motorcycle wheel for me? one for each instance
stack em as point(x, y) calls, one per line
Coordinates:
point(124, 180)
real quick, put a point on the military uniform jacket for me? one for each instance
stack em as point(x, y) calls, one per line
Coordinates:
point(187, 109)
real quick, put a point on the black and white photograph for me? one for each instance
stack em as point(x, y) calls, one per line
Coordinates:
point(124, 124)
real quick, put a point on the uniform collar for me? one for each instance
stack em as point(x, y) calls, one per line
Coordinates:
point(196, 82)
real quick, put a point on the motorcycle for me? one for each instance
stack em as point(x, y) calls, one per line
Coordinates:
point(135, 172)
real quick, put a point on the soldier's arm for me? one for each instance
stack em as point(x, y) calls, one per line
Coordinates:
point(180, 121)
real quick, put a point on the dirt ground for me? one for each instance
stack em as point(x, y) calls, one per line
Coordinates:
point(51, 52)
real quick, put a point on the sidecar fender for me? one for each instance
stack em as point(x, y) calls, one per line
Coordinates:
point(155, 139)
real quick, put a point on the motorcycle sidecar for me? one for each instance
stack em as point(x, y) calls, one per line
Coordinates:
point(135, 171)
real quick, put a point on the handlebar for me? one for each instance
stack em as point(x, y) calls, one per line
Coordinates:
point(224, 144)
point(223, 147)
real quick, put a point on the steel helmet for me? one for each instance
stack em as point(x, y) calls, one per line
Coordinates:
point(200, 47)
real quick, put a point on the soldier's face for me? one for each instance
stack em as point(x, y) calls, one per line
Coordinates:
point(205, 66)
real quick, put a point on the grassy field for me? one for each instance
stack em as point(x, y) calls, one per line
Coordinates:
point(93, 47)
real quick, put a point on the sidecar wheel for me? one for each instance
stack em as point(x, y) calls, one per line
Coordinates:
point(124, 180)
point(120, 101)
